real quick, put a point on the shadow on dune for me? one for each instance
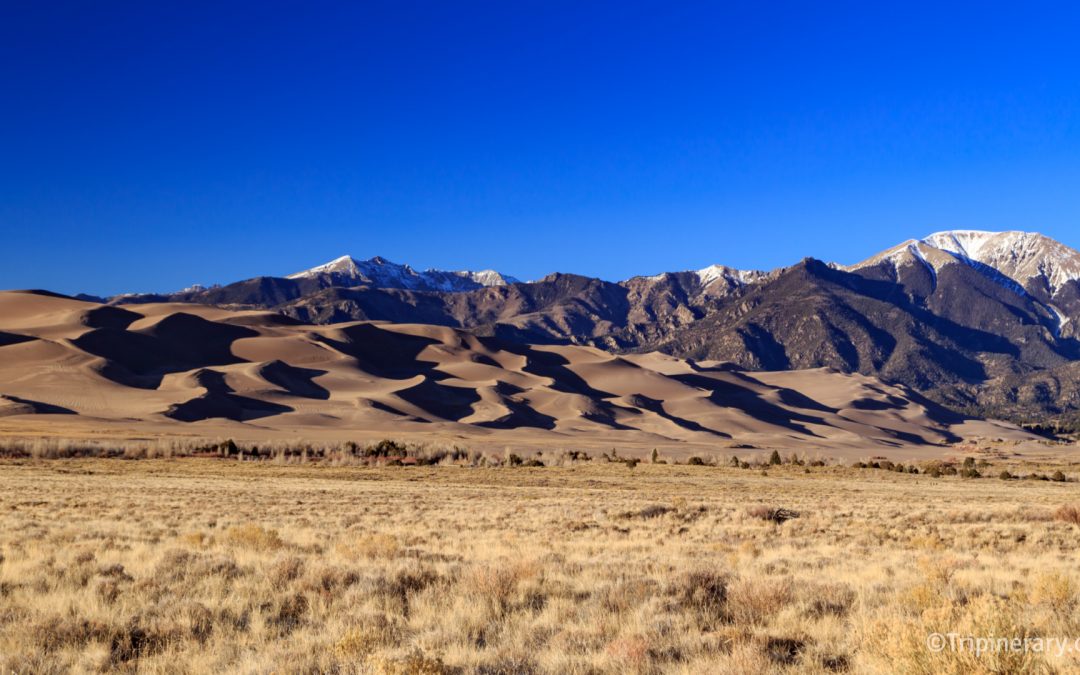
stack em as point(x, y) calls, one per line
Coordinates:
point(107, 316)
point(656, 406)
point(14, 339)
point(177, 343)
point(555, 367)
point(13, 405)
point(295, 380)
point(392, 355)
point(383, 353)
point(449, 403)
point(382, 407)
point(219, 401)
point(731, 395)
point(520, 415)
point(791, 397)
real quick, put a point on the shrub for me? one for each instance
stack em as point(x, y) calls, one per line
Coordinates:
point(1068, 513)
point(1054, 590)
point(285, 570)
point(496, 583)
point(754, 600)
point(654, 511)
point(655, 456)
point(774, 458)
point(1005, 475)
point(387, 448)
point(286, 613)
point(415, 662)
point(1058, 477)
point(703, 591)
point(695, 461)
point(784, 651)
point(772, 514)
point(253, 536)
point(379, 545)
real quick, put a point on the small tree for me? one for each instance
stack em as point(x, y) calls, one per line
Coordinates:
point(655, 456)
point(774, 458)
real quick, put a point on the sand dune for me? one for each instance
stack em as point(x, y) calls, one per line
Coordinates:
point(164, 368)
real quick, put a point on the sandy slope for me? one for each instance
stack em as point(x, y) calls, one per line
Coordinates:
point(73, 367)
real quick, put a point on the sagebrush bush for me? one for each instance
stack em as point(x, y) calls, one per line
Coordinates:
point(257, 537)
point(1068, 513)
point(771, 513)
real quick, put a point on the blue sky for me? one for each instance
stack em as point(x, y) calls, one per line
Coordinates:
point(150, 145)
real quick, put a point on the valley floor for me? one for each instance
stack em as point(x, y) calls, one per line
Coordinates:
point(208, 565)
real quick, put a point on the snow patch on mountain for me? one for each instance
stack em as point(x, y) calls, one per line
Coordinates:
point(381, 273)
point(1062, 320)
point(736, 277)
point(1021, 256)
point(1015, 259)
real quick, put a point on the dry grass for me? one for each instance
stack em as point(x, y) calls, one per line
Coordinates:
point(206, 565)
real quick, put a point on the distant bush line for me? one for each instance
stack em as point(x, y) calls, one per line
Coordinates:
point(389, 452)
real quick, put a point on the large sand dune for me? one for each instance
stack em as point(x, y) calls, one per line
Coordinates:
point(68, 366)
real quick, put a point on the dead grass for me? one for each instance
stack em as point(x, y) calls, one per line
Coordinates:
point(1068, 514)
point(204, 565)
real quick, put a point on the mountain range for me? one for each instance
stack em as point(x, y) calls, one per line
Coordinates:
point(983, 322)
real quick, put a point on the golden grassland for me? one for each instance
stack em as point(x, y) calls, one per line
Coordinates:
point(210, 564)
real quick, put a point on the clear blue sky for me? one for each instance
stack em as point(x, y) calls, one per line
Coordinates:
point(150, 145)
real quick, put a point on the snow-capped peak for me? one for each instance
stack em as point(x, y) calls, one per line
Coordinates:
point(1028, 259)
point(714, 272)
point(346, 264)
point(708, 277)
point(1021, 256)
point(381, 273)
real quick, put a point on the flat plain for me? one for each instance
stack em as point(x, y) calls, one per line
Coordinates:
point(210, 565)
